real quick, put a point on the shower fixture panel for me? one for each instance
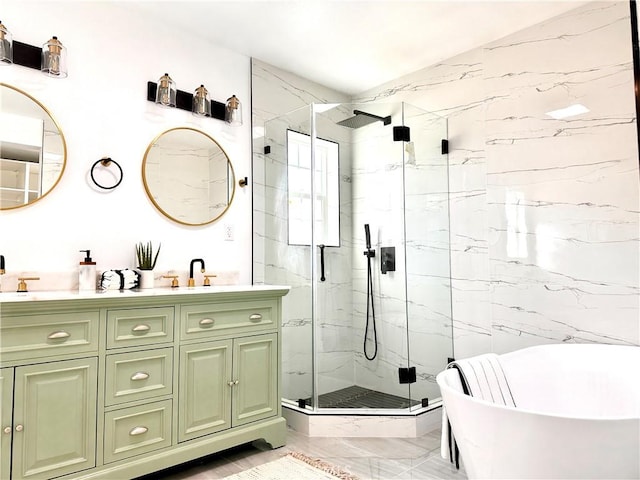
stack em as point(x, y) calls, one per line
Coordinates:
point(360, 119)
point(388, 259)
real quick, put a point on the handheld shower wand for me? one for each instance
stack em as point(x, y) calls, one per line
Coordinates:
point(369, 253)
point(367, 236)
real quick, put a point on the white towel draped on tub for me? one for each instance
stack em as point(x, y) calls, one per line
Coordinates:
point(482, 377)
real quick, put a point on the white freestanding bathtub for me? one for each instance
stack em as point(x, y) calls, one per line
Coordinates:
point(577, 415)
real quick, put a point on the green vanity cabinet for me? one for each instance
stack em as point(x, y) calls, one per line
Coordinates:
point(54, 419)
point(6, 414)
point(205, 389)
point(226, 384)
point(117, 385)
point(255, 396)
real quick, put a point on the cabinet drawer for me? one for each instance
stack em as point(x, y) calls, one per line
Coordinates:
point(138, 375)
point(137, 430)
point(34, 336)
point(206, 320)
point(139, 326)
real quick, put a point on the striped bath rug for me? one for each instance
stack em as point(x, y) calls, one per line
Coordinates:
point(296, 466)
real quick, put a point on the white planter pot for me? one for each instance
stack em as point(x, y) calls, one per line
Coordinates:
point(146, 279)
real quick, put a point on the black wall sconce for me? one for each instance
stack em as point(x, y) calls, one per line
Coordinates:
point(191, 102)
point(50, 59)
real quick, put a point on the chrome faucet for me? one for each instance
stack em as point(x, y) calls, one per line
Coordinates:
point(192, 282)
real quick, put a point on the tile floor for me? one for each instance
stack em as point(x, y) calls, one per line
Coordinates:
point(368, 458)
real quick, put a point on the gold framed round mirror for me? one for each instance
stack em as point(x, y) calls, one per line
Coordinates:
point(188, 176)
point(33, 150)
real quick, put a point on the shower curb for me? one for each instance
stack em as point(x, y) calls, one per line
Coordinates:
point(322, 424)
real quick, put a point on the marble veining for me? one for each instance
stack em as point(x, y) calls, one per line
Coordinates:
point(543, 214)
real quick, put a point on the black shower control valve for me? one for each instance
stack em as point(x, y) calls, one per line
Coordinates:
point(388, 262)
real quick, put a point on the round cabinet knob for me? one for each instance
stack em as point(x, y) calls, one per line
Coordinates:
point(19, 428)
point(6, 430)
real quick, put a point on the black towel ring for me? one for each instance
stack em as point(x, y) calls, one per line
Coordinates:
point(106, 162)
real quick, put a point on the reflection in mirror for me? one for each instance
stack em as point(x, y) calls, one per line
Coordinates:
point(188, 176)
point(33, 150)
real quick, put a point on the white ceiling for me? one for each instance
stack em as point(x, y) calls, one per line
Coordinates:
point(352, 45)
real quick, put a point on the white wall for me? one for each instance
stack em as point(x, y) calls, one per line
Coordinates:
point(102, 110)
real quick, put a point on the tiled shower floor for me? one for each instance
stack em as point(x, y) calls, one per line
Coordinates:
point(359, 397)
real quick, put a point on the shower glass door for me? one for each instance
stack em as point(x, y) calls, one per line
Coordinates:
point(281, 256)
point(427, 250)
point(367, 322)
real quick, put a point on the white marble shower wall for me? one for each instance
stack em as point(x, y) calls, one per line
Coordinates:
point(400, 190)
point(282, 100)
point(378, 198)
point(544, 212)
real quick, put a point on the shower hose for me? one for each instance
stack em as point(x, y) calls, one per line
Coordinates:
point(370, 308)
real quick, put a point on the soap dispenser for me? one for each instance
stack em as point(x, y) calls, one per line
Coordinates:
point(87, 273)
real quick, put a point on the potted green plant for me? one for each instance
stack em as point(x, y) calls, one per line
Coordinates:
point(146, 263)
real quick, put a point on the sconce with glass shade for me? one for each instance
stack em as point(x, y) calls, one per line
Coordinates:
point(201, 102)
point(166, 92)
point(6, 46)
point(233, 111)
point(198, 102)
point(54, 58)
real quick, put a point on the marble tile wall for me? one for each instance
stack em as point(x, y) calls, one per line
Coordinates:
point(282, 100)
point(400, 190)
point(544, 212)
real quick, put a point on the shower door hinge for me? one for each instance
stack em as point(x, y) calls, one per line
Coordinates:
point(445, 146)
point(267, 149)
point(407, 375)
point(401, 134)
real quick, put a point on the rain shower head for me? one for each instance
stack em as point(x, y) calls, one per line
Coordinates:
point(360, 119)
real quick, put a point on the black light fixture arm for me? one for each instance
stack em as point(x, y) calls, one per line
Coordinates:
point(26, 55)
point(184, 101)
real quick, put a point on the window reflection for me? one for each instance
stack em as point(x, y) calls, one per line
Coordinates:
point(327, 188)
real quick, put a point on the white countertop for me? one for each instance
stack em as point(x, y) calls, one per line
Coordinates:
point(10, 297)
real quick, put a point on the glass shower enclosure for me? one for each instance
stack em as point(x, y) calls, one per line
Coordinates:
point(351, 209)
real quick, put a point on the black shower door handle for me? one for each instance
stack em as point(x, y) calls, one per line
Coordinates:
point(322, 277)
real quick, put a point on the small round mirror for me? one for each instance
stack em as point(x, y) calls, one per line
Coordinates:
point(188, 176)
point(33, 151)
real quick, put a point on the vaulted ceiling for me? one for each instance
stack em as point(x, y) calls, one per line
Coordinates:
point(352, 45)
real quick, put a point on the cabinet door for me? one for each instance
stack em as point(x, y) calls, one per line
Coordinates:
point(54, 418)
point(255, 395)
point(6, 409)
point(205, 393)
